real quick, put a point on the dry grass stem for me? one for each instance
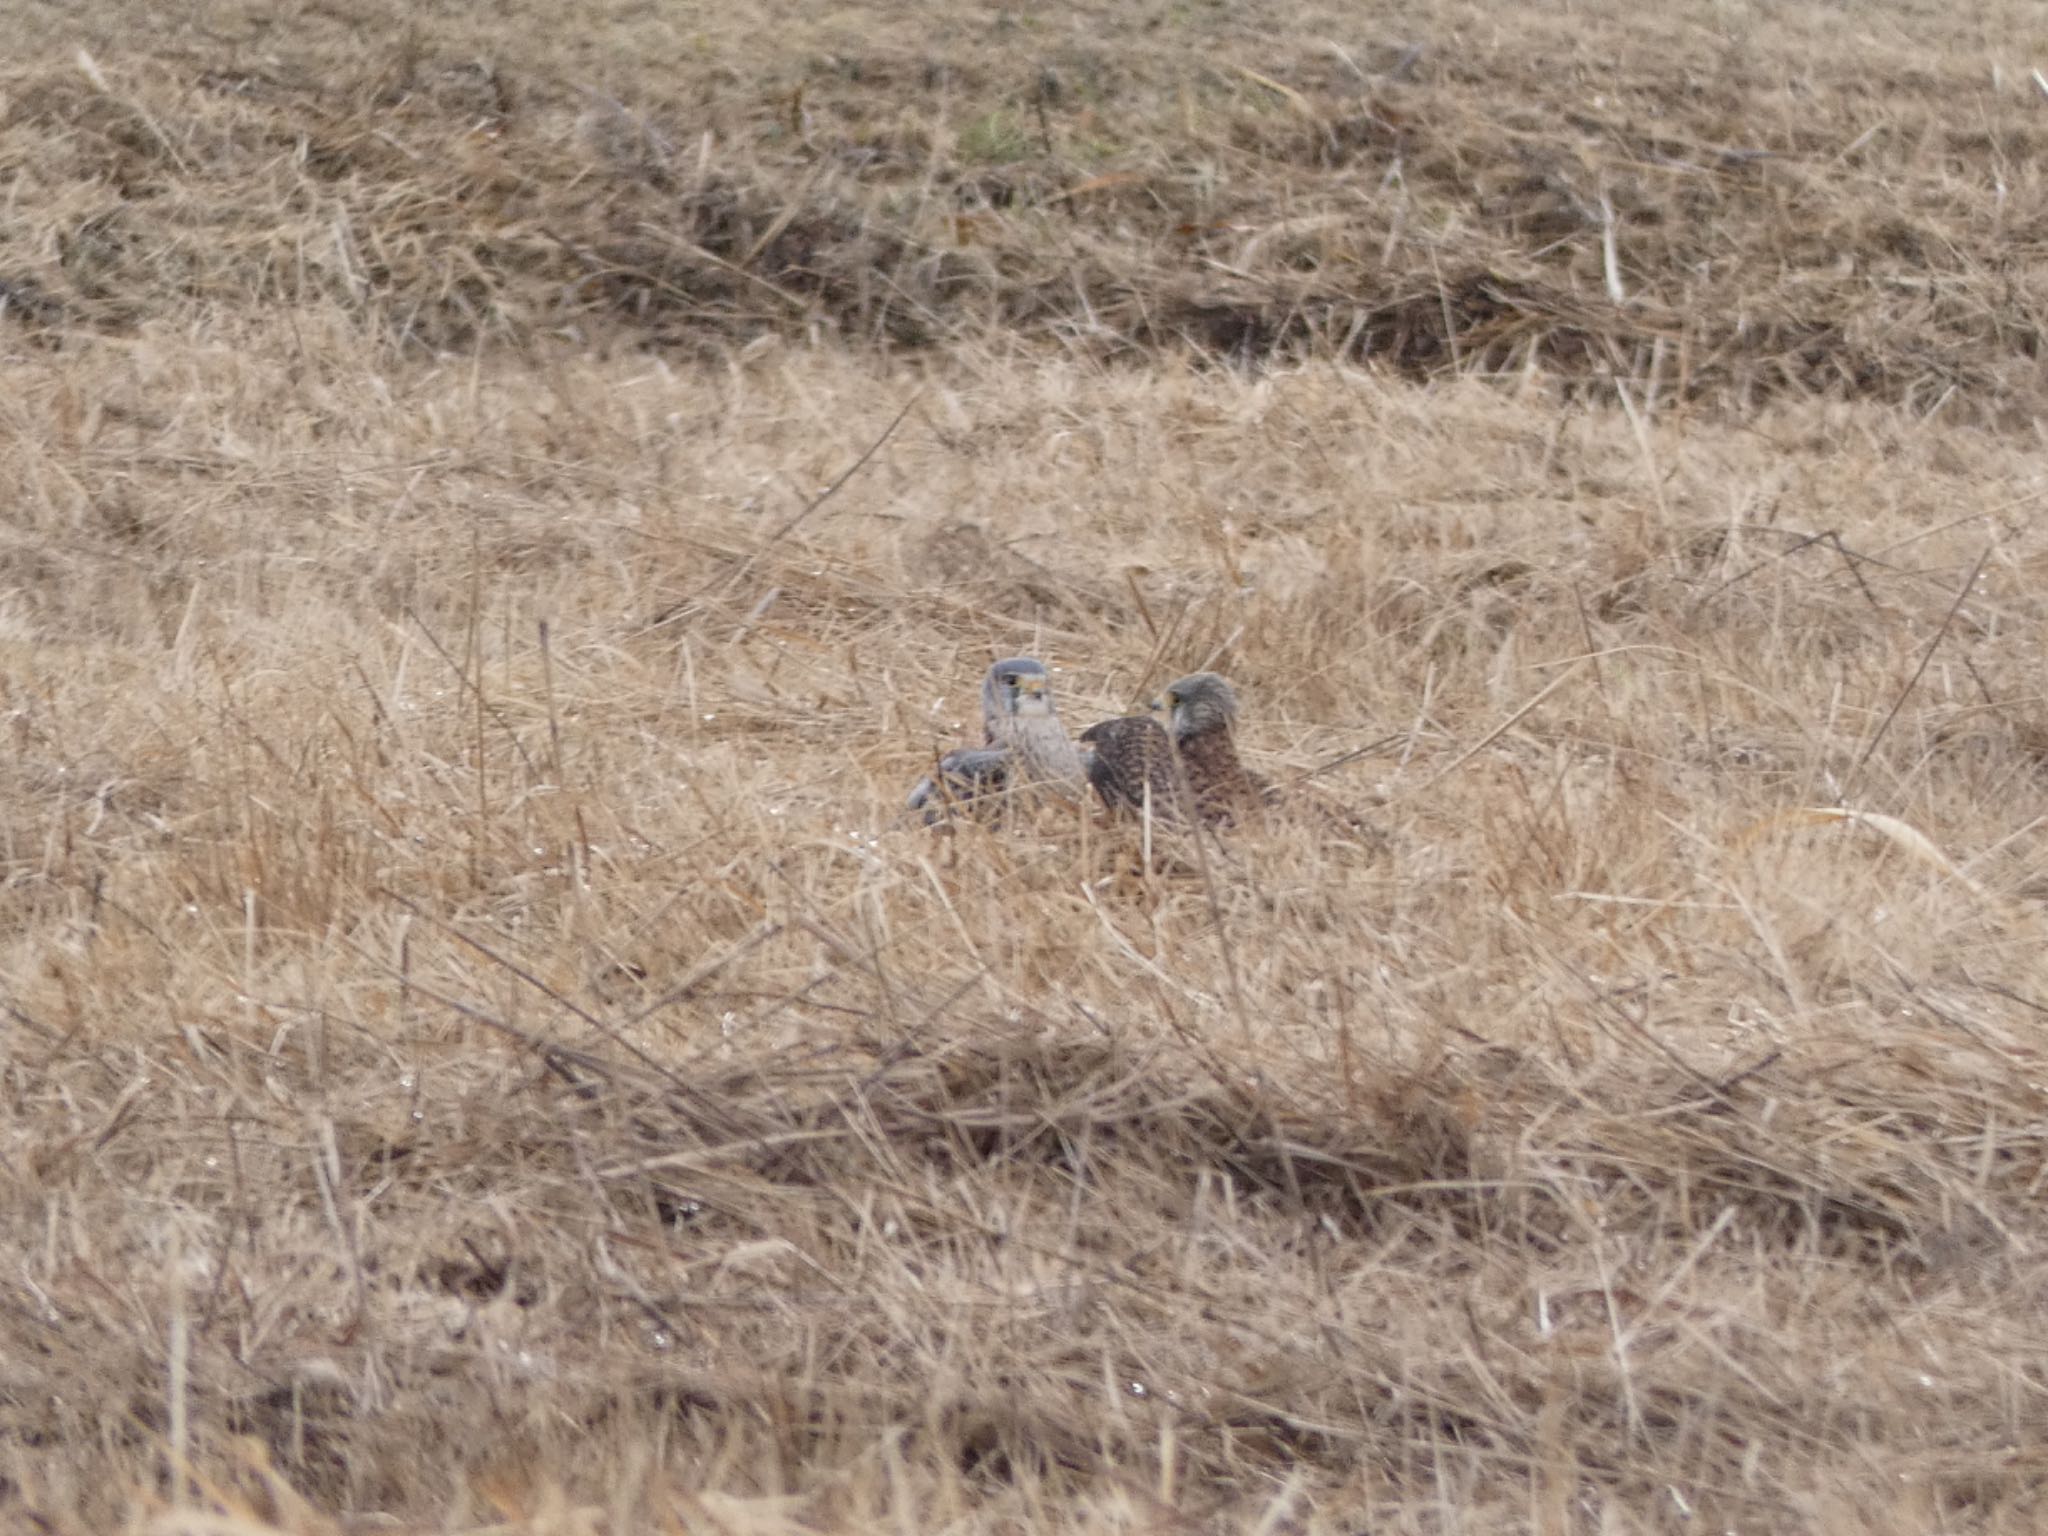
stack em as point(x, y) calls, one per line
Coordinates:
point(502, 508)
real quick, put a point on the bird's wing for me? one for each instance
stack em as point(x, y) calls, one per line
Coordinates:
point(1129, 756)
point(1222, 788)
point(962, 774)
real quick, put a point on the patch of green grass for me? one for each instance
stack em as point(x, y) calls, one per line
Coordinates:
point(996, 139)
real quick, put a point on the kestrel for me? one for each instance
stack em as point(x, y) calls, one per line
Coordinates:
point(1026, 745)
point(1203, 714)
point(1189, 770)
point(1224, 791)
point(1132, 764)
point(1186, 771)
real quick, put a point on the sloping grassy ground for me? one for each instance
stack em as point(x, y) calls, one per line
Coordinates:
point(481, 1047)
point(1731, 204)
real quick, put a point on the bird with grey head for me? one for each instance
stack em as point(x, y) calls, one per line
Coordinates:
point(1200, 703)
point(1203, 726)
point(1185, 770)
point(1202, 721)
point(1025, 744)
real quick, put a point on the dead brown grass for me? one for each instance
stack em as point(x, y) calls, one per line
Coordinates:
point(1768, 199)
point(482, 1048)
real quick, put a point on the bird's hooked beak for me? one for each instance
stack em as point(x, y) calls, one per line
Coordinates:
point(1028, 696)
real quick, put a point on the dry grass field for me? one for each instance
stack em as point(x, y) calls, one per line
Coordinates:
point(501, 504)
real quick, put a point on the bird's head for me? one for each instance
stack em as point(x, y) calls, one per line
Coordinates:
point(1017, 689)
point(1199, 702)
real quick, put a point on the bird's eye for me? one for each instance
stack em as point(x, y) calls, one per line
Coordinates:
point(1009, 679)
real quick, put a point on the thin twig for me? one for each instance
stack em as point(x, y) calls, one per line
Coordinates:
point(1483, 742)
point(470, 683)
point(673, 611)
point(1912, 682)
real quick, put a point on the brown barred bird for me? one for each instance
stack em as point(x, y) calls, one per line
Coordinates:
point(1188, 772)
point(1132, 764)
point(1203, 714)
point(1224, 791)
